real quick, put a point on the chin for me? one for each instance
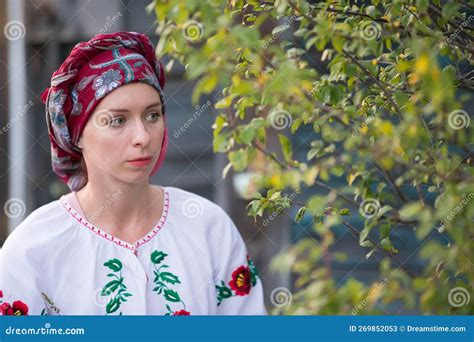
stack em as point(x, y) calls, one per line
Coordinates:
point(135, 177)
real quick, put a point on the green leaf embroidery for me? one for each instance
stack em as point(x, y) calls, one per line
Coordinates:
point(113, 305)
point(253, 272)
point(157, 257)
point(50, 304)
point(110, 287)
point(223, 292)
point(172, 295)
point(169, 278)
point(114, 264)
point(115, 286)
point(161, 280)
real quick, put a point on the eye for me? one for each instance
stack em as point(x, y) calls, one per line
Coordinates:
point(117, 122)
point(153, 116)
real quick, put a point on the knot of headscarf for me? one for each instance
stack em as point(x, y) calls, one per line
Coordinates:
point(92, 70)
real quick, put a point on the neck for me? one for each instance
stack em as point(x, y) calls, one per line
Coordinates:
point(115, 202)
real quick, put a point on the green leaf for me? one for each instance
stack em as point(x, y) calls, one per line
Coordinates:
point(384, 230)
point(365, 232)
point(113, 305)
point(286, 147)
point(158, 256)
point(114, 264)
point(224, 102)
point(224, 292)
point(239, 159)
point(300, 214)
point(388, 246)
point(422, 5)
point(172, 296)
point(410, 210)
point(366, 243)
point(344, 211)
point(312, 153)
point(221, 142)
point(169, 278)
point(109, 288)
point(247, 134)
point(337, 43)
point(316, 204)
point(383, 210)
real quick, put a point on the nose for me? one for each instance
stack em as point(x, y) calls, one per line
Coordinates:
point(141, 136)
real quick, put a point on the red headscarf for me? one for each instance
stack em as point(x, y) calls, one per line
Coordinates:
point(92, 70)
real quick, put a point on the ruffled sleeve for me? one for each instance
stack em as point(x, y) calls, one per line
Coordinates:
point(238, 285)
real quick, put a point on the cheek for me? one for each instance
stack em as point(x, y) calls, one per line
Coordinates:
point(105, 148)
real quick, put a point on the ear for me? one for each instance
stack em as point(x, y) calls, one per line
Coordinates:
point(79, 143)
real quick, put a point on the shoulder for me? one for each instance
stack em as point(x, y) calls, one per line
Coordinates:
point(36, 229)
point(194, 206)
point(197, 211)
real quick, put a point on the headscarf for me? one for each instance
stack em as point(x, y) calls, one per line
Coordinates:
point(92, 70)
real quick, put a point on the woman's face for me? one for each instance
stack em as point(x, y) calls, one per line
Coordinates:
point(124, 134)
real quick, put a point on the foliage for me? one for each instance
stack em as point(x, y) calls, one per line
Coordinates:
point(382, 84)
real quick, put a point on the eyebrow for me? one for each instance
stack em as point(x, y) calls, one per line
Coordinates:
point(155, 104)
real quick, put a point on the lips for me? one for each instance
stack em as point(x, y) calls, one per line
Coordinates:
point(140, 162)
point(140, 159)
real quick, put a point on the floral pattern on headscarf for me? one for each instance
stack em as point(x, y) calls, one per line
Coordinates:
point(106, 82)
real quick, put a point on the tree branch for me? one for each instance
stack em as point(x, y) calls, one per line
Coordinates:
point(376, 80)
point(392, 256)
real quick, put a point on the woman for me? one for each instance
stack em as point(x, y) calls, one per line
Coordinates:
point(117, 244)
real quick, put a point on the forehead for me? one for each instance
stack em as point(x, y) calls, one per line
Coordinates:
point(135, 95)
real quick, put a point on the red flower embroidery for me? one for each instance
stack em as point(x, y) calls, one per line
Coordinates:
point(181, 313)
point(240, 282)
point(6, 309)
point(1, 294)
point(17, 309)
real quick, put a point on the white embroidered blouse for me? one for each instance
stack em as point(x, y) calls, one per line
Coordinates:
point(193, 262)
